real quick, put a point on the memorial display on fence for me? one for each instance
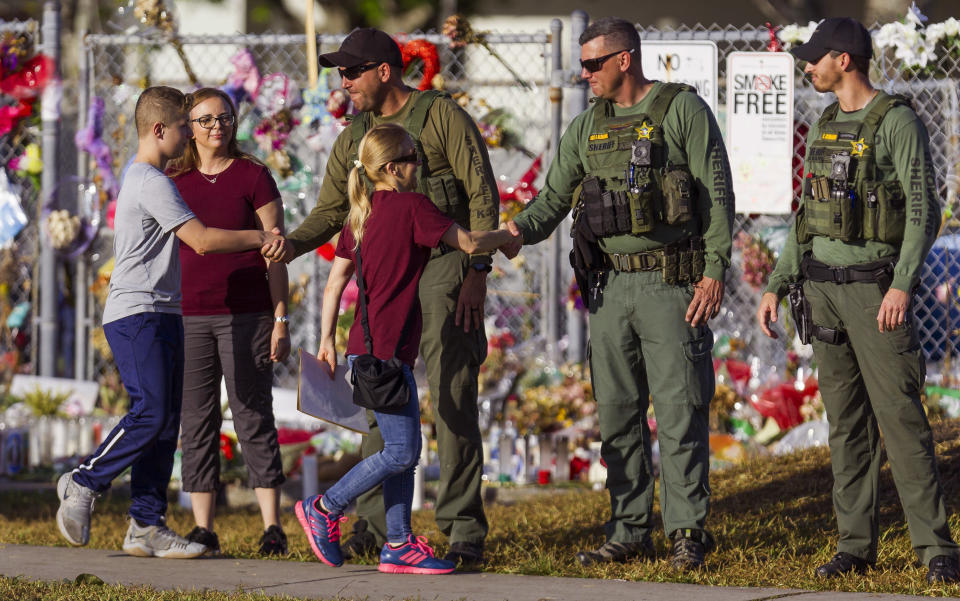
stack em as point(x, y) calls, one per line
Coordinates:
point(537, 409)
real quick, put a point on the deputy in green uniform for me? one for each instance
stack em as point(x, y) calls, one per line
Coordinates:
point(867, 220)
point(456, 175)
point(655, 207)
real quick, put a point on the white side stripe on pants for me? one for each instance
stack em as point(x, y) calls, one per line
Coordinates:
point(106, 450)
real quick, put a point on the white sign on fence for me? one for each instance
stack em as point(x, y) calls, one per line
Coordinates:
point(689, 62)
point(760, 130)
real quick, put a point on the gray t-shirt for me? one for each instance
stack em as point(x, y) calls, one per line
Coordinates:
point(146, 276)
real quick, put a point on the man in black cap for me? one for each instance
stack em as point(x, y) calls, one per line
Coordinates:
point(868, 218)
point(456, 174)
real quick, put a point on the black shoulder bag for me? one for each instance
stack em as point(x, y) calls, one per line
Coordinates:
point(378, 385)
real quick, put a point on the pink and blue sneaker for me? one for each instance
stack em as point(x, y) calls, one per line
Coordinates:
point(322, 531)
point(414, 557)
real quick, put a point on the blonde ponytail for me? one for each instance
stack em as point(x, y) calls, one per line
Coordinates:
point(378, 147)
point(359, 203)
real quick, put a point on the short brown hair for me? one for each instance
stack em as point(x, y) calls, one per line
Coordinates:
point(161, 104)
point(860, 63)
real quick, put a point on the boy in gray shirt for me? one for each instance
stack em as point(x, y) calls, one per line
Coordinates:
point(143, 325)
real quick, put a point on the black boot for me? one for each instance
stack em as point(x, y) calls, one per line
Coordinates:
point(688, 551)
point(361, 543)
point(943, 569)
point(842, 563)
point(614, 551)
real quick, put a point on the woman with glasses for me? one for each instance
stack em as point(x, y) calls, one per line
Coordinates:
point(234, 317)
point(397, 229)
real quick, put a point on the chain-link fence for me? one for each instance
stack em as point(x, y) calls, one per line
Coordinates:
point(18, 259)
point(118, 67)
point(936, 103)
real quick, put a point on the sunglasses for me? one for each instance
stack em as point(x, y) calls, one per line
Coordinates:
point(413, 157)
point(357, 70)
point(209, 121)
point(595, 64)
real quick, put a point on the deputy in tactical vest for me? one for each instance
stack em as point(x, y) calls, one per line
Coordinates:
point(455, 173)
point(647, 173)
point(852, 258)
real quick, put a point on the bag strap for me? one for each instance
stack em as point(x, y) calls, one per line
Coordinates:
point(364, 322)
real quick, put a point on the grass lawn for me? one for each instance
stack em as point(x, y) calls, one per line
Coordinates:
point(772, 518)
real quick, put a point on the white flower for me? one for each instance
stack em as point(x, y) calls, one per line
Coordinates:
point(917, 55)
point(790, 34)
point(915, 17)
point(889, 35)
point(935, 32)
point(951, 27)
point(805, 32)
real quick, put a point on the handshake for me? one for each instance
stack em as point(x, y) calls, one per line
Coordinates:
point(507, 239)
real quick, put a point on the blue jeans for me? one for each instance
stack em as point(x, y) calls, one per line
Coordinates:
point(148, 350)
point(393, 466)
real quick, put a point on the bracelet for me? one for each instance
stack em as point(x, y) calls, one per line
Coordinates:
point(281, 319)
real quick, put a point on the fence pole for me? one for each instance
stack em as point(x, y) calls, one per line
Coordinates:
point(81, 289)
point(552, 297)
point(576, 103)
point(51, 162)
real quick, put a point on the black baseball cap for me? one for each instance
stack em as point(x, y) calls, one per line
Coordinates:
point(363, 45)
point(842, 34)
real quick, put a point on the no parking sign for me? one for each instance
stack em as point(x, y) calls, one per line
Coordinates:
point(690, 62)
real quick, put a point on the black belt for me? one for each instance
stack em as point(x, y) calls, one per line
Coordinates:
point(879, 272)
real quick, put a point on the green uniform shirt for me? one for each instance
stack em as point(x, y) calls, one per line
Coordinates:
point(692, 137)
point(451, 142)
point(902, 150)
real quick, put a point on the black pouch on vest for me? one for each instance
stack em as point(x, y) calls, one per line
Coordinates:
point(592, 198)
point(378, 385)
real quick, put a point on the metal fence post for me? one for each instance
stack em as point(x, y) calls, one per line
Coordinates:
point(81, 287)
point(552, 297)
point(576, 103)
point(49, 287)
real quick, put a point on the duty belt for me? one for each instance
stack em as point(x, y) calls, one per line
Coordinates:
point(642, 261)
point(880, 272)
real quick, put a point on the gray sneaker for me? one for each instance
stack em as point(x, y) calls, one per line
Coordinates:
point(76, 505)
point(159, 541)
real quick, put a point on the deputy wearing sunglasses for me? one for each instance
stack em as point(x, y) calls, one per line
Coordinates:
point(653, 216)
point(455, 174)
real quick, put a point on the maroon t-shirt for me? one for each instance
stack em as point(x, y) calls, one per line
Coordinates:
point(228, 283)
point(397, 238)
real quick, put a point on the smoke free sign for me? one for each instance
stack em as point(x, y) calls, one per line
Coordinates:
point(760, 130)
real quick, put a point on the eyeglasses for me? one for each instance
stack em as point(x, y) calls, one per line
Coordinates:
point(357, 70)
point(209, 121)
point(595, 64)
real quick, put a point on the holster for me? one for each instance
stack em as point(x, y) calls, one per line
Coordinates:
point(587, 261)
point(802, 316)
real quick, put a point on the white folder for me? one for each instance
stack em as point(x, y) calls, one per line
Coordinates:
point(328, 399)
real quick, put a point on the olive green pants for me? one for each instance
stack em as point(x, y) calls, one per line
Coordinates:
point(643, 349)
point(452, 358)
point(869, 384)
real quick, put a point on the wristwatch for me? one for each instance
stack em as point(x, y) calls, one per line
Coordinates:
point(281, 319)
point(484, 267)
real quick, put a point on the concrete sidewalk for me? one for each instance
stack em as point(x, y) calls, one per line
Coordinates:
point(317, 581)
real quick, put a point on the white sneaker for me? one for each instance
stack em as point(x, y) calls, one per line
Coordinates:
point(76, 505)
point(159, 541)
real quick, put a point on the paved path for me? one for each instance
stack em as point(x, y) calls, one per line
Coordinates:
point(317, 581)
